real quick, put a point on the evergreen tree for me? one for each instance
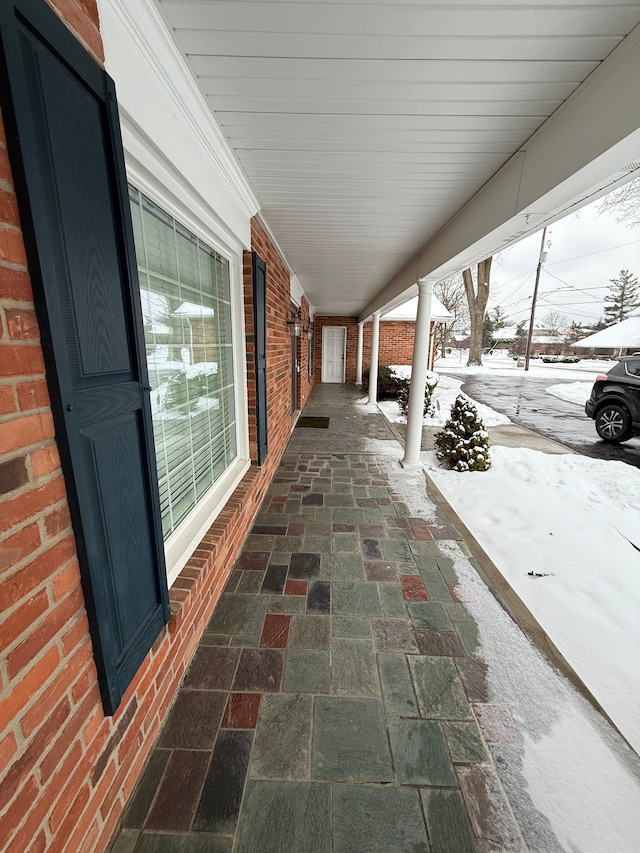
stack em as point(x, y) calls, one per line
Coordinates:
point(623, 299)
point(487, 331)
point(463, 444)
point(499, 318)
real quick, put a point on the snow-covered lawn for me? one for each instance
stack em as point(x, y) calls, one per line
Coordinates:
point(570, 520)
point(567, 518)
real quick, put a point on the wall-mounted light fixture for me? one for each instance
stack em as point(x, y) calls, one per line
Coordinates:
point(294, 322)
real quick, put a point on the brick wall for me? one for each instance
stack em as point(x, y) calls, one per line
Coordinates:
point(351, 324)
point(66, 770)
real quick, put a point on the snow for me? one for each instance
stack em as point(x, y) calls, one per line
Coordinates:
point(444, 395)
point(568, 518)
point(572, 392)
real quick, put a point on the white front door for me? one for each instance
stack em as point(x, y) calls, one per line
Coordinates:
point(334, 340)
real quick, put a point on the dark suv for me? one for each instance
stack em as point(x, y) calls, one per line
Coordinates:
point(614, 403)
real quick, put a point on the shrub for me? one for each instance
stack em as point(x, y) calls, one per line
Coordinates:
point(389, 383)
point(463, 444)
point(403, 396)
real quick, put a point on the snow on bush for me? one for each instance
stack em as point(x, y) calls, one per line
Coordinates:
point(403, 395)
point(463, 444)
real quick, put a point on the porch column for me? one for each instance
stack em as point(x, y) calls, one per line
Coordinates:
point(415, 412)
point(373, 367)
point(359, 354)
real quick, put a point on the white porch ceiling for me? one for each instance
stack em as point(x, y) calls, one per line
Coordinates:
point(364, 127)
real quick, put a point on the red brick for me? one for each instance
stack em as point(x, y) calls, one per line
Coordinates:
point(53, 694)
point(45, 461)
point(19, 808)
point(22, 618)
point(12, 247)
point(21, 360)
point(80, 25)
point(33, 394)
point(7, 399)
point(24, 431)
point(15, 548)
point(5, 165)
point(22, 324)
point(9, 208)
point(27, 687)
point(15, 284)
point(27, 578)
point(66, 581)
point(21, 768)
point(64, 738)
point(8, 748)
point(44, 633)
point(66, 814)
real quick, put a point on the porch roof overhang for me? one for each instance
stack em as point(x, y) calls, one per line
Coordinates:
point(391, 142)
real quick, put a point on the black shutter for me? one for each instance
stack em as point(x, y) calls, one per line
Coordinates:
point(260, 343)
point(64, 142)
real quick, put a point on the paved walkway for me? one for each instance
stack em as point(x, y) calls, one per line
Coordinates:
point(359, 690)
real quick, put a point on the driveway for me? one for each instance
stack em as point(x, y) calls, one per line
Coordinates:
point(525, 401)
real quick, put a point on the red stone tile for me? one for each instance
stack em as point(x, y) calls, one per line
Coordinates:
point(276, 631)
point(413, 588)
point(496, 723)
point(295, 587)
point(381, 571)
point(241, 711)
point(421, 532)
point(453, 589)
point(343, 528)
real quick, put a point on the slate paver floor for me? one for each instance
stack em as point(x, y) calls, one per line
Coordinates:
point(333, 704)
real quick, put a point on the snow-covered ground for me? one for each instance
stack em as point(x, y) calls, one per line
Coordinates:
point(568, 519)
point(572, 392)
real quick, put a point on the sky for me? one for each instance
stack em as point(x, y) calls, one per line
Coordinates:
point(587, 250)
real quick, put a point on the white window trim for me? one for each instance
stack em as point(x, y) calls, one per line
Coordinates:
point(182, 542)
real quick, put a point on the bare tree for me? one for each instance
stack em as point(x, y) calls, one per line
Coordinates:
point(450, 291)
point(477, 296)
point(555, 321)
point(624, 203)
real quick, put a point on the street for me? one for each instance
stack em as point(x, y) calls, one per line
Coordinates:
point(525, 401)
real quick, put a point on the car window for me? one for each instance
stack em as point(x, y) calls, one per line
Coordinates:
point(633, 367)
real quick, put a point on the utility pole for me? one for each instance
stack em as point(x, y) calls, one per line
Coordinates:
point(533, 301)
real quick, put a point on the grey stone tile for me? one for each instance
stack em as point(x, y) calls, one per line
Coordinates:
point(125, 841)
point(445, 564)
point(319, 597)
point(342, 567)
point(287, 544)
point(351, 626)
point(424, 548)
point(355, 598)
point(448, 822)
point(140, 804)
point(288, 604)
point(221, 795)
point(393, 635)
point(457, 612)
point(282, 743)
point(154, 842)
point(304, 565)
point(274, 579)
point(334, 500)
point(349, 740)
point(429, 614)
point(396, 549)
point(465, 742)
point(408, 569)
point(377, 819)
point(371, 549)
point(261, 542)
point(317, 544)
point(439, 643)
point(306, 671)
point(250, 582)
point(468, 633)
point(309, 631)
point(420, 754)
point(353, 668)
point(285, 816)
point(212, 668)
point(392, 601)
point(238, 614)
point(473, 673)
point(397, 688)
point(318, 528)
point(194, 720)
point(346, 543)
point(438, 688)
point(349, 516)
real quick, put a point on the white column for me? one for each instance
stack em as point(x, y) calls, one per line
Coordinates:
point(413, 438)
point(359, 354)
point(373, 367)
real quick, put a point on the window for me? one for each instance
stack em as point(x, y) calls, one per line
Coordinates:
point(186, 306)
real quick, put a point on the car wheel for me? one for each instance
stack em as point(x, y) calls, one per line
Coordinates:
point(613, 423)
